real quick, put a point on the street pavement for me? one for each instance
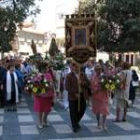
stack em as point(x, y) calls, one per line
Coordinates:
point(21, 125)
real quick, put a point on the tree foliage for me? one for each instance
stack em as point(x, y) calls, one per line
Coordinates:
point(12, 13)
point(118, 25)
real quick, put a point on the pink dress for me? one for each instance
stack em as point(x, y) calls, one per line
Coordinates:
point(100, 97)
point(44, 104)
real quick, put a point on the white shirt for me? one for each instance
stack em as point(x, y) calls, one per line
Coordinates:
point(89, 72)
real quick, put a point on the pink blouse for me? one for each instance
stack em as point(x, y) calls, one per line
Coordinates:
point(48, 77)
point(98, 92)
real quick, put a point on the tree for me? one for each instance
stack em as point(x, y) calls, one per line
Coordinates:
point(121, 24)
point(12, 14)
point(118, 25)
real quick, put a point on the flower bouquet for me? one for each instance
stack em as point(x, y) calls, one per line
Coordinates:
point(38, 85)
point(109, 82)
point(29, 77)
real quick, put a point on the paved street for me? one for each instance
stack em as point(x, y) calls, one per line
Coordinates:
point(21, 125)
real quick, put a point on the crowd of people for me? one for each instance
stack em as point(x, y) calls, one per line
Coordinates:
point(77, 88)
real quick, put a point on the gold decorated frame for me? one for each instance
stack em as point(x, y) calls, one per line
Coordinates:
point(80, 53)
point(74, 28)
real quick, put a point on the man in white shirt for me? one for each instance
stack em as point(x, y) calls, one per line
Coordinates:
point(65, 92)
point(89, 70)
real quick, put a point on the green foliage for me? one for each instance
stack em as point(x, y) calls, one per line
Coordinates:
point(120, 30)
point(118, 24)
point(7, 30)
point(55, 57)
point(13, 12)
point(57, 61)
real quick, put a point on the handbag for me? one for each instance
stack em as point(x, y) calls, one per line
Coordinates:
point(135, 83)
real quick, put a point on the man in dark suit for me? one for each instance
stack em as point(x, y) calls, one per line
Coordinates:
point(75, 96)
point(2, 74)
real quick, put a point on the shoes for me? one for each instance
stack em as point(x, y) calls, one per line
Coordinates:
point(116, 120)
point(105, 129)
point(8, 109)
point(45, 125)
point(99, 127)
point(123, 120)
point(13, 109)
point(75, 130)
point(39, 126)
point(78, 126)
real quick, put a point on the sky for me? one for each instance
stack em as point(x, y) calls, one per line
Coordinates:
point(50, 9)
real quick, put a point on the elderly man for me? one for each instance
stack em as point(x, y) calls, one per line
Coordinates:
point(77, 95)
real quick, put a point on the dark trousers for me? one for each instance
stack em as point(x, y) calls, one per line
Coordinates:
point(76, 115)
point(13, 98)
point(11, 104)
point(1, 98)
point(20, 92)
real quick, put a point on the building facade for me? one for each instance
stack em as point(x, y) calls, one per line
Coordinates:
point(25, 37)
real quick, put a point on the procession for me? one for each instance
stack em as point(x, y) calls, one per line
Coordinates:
point(84, 85)
point(99, 84)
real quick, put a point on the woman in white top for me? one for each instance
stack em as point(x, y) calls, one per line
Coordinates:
point(122, 94)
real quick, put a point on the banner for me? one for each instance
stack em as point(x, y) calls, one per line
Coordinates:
point(80, 37)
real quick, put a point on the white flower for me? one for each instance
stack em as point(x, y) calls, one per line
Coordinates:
point(118, 81)
point(102, 74)
point(47, 85)
point(102, 80)
point(110, 81)
point(118, 74)
point(29, 81)
point(31, 86)
point(45, 80)
point(27, 88)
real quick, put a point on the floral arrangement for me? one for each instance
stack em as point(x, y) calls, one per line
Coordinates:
point(29, 77)
point(57, 61)
point(38, 85)
point(109, 82)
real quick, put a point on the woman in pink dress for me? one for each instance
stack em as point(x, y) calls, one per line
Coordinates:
point(100, 104)
point(43, 104)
